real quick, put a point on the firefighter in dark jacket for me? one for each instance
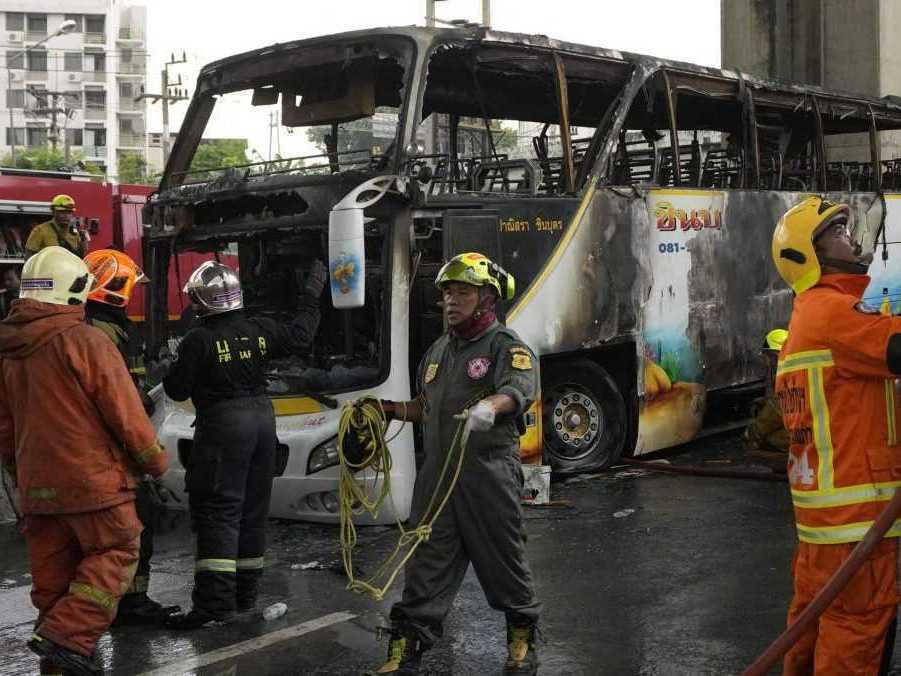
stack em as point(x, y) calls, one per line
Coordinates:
point(115, 277)
point(483, 367)
point(221, 366)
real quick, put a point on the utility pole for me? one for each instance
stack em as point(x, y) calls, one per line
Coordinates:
point(486, 13)
point(42, 96)
point(166, 97)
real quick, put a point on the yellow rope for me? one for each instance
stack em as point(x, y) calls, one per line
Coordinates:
point(366, 415)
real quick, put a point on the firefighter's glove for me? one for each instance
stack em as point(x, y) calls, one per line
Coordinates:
point(157, 370)
point(159, 494)
point(316, 277)
point(479, 418)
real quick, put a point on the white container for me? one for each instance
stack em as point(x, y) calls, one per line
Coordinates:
point(536, 489)
point(346, 258)
point(275, 611)
point(346, 252)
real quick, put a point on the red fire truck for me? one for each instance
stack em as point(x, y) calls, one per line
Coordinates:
point(109, 213)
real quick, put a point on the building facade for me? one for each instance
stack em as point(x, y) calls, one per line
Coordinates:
point(76, 91)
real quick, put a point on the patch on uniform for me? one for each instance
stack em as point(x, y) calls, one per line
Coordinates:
point(521, 361)
point(478, 368)
point(430, 373)
point(866, 308)
point(36, 284)
point(519, 350)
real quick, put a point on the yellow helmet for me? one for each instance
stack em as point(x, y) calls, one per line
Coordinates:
point(793, 251)
point(62, 203)
point(775, 339)
point(54, 275)
point(478, 270)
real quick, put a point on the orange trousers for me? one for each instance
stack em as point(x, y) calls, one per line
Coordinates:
point(850, 636)
point(81, 564)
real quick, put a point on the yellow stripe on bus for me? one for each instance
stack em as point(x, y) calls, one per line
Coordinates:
point(295, 406)
point(551, 262)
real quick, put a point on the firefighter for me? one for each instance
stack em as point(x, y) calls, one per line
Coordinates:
point(835, 385)
point(482, 366)
point(115, 276)
point(61, 230)
point(221, 366)
point(74, 431)
point(766, 431)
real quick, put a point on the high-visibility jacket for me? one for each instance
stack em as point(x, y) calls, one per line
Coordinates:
point(835, 383)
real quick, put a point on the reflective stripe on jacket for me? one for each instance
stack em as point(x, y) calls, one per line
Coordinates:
point(839, 411)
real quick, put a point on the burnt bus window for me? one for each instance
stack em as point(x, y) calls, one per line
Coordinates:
point(348, 350)
point(323, 119)
point(492, 119)
point(644, 139)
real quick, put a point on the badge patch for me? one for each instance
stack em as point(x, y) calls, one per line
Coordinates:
point(430, 373)
point(477, 368)
point(523, 362)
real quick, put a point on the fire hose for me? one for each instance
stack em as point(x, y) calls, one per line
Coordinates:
point(701, 470)
point(829, 592)
point(361, 446)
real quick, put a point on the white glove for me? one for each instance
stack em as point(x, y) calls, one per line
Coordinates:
point(480, 418)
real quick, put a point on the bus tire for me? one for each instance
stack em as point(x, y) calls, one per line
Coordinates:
point(583, 417)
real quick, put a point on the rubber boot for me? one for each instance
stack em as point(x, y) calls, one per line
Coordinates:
point(404, 654)
point(69, 661)
point(135, 609)
point(50, 668)
point(194, 619)
point(522, 654)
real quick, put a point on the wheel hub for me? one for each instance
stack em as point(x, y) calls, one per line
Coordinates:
point(576, 419)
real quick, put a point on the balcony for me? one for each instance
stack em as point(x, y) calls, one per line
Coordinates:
point(94, 152)
point(95, 38)
point(131, 140)
point(94, 112)
point(36, 75)
point(94, 76)
point(35, 36)
point(131, 34)
point(133, 68)
point(128, 105)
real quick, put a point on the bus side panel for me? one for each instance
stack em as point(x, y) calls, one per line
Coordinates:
point(589, 289)
point(715, 294)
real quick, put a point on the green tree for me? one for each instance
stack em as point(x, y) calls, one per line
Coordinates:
point(220, 152)
point(133, 169)
point(47, 159)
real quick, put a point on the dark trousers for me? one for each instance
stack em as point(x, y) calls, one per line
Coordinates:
point(481, 524)
point(229, 482)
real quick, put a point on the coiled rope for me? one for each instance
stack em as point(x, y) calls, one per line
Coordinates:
point(365, 418)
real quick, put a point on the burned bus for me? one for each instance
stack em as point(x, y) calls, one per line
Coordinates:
point(633, 200)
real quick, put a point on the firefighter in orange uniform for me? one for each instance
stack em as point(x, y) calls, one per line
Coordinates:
point(73, 434)
point(835, 384)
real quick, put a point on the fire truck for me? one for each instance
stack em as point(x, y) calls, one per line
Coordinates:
point(109, 213)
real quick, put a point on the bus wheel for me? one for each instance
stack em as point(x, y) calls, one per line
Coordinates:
point(584, 417)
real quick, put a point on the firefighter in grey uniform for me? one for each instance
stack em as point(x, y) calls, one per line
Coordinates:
point(482, 367)
point(221, 366)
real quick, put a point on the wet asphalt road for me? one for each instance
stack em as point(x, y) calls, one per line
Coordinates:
point(643, 573)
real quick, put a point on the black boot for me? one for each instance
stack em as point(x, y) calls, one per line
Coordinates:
point(404, 654)
point(67, 660)
point(50, 668)
point(194, 619)
point(141, 609)
point(522, 654)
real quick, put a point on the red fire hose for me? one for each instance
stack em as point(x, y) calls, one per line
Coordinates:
point(702, 470)
point(827, 594)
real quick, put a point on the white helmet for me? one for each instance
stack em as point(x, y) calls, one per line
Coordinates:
point(54, 275)
point(214, 288)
